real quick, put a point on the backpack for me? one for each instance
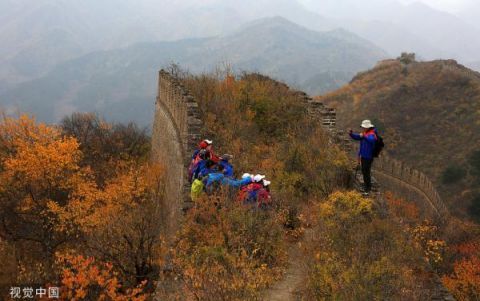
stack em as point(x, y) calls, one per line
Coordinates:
point(379, 145)
point(197, 189)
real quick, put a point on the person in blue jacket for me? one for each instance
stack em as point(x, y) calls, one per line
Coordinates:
point(227, 167)
point(204, 168)
point(237, 184)
point(367, 139)
point(215, 180)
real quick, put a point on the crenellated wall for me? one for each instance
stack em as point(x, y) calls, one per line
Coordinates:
point(403, 180)
point(326, 116)
point(177, 129)
point(410, 183)
point(393, 175)
point(176, 132)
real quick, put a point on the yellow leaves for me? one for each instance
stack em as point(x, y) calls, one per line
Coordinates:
point(425, 236)
point(227, 252)
point(345, 208)
point(37, 153)
point(435, 250)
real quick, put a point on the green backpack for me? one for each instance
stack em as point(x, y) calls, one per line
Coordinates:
point(197, 189)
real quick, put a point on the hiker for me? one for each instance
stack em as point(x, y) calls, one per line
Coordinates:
point(213, 179)
point(205, 167)
point(198, 164)
point(204, 144)
point(227, 167)
point(368, 139)
point(202, 153)
point(264, 198)
point(232, 183)
point(248, 194)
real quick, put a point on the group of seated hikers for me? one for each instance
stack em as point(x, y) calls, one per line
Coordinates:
point(209, 173)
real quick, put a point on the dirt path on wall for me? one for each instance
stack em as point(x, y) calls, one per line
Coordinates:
point(285, 289)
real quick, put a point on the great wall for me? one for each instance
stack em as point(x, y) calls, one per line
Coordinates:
point(177, 130)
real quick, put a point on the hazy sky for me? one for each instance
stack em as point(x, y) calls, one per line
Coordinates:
point(451, 6)
point(448, 5)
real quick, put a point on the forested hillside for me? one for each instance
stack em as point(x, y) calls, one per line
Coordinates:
point(81, 210)
point(429, 113)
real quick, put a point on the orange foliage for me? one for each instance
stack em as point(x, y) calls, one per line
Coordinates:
point(464, 282)
point(470, 248)
point(85, 279)
point(401, 209)
point(39, 173)
point(51, 202)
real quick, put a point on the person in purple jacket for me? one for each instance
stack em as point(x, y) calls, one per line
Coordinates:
point(367, 139)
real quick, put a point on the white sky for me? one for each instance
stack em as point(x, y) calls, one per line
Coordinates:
point(447, 5)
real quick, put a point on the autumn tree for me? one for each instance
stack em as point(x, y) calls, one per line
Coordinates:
point(84, 278)
point(105, 144)
point(131, 237)
point(52, 201)
point(464, 282)
point(39, 171)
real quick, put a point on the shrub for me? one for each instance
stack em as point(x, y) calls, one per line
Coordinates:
point(358, 256)
point(226, 251)
point(464, 282)
point(474, 208)
point(453, 174)
point(474, 161)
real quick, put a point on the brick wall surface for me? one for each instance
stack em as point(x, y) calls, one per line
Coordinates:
point(175, 134)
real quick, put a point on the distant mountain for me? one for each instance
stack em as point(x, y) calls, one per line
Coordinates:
point(397, 27)
point(394, 38)
point(121, 84)
point(38, 34)
point(428, 113)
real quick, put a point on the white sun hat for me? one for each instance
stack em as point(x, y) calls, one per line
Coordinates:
point(266, 183)
point(208, 141)
point(366, 124)
point(246, 175)
point(258, 178)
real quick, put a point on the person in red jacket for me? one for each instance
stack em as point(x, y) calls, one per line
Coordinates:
point(208, 146)
point(205, 149)
point(248, 194)
point(264, 197)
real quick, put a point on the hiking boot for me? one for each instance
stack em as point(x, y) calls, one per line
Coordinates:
point(366, 193)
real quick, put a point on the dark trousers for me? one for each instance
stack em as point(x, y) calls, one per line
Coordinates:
point(367, 173)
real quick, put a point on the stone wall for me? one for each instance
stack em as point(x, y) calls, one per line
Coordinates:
point(411, 184)
point(177, 129)
point(175, 134)
point(326, 116)
point(391, 174)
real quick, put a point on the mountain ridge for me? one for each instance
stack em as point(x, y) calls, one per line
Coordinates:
point(425, 110)
point(274, 46)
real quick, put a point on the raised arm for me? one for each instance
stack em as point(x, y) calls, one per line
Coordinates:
point(355, 136)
